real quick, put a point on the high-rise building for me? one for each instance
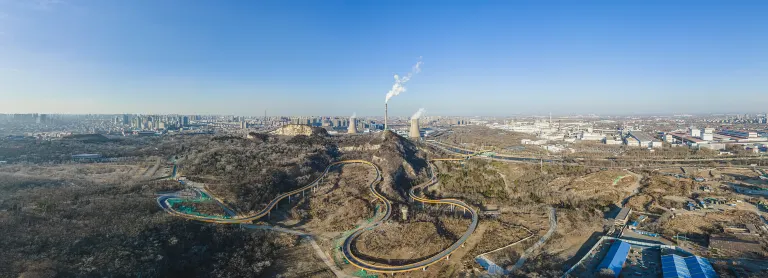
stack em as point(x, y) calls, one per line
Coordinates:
point(126, 119)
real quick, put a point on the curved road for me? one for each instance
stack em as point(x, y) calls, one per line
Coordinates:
point(347, 246)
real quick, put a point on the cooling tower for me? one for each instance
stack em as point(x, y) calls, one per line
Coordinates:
point(352, 129)
point(414, 132)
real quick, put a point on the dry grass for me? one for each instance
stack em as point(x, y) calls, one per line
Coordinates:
point(403, 241)
point(600, 185)
point(501, 141)
point(651, 196)
point(692, 224)
point(297, 259)
point(498, 234)
point(711, 223)
point(342, 201)
point(96, 172)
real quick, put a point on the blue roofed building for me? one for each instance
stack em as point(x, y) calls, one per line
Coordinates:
point(615, 258)
point(700, 267)
point(674, 266)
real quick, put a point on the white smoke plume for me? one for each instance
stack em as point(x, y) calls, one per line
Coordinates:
point(418, 114)
point(399, 85)
point(354, 115)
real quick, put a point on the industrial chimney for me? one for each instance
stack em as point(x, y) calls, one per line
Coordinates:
point(385, 116)
point(352, 129)
point(414, 132)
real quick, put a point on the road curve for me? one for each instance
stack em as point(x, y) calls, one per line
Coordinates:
point(162, 201)
point(368, 266)
point(272, 204)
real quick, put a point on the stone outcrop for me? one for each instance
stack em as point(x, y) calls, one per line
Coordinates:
point(293, 130)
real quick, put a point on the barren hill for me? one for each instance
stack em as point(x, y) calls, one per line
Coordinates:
point(293, 130)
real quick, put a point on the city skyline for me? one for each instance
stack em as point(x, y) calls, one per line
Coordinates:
point(496, 59)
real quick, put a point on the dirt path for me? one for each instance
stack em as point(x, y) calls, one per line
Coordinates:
point(535, 247)
point(634, 188)
point(471, 242)
point(151, 172)
point(506, 183)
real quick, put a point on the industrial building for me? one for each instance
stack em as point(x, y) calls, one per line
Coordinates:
point(738, 133)
point(695, 132)
point(682, 138)
point(612, 141)
point(673, 266)
point(641, 139)
point(589, 136)
point(615, 258)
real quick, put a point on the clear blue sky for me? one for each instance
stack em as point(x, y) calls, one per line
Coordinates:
point(335, 58)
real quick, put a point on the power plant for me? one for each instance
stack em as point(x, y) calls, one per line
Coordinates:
point(414, 131)
point(352, 129)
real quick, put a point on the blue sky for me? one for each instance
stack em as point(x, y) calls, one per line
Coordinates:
point(339, 57)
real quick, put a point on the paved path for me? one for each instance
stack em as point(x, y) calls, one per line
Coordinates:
point(535, 247)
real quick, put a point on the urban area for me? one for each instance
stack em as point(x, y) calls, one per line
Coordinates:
point(285, 139)
point(420, 196)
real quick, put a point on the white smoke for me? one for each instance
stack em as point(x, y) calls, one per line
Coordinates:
point(399, 85)
point(418, 114)
point(354, 115)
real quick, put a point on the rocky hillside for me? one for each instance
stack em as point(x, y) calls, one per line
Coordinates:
point(249, 173)
point(293, 130)
point(401, 161)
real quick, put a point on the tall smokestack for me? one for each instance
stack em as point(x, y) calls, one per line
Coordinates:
point(385, 116)
point(399, 87)
point(414, 132)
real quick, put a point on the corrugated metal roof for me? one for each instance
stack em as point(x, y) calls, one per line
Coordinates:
point(674, 266)
point(641, 136)
point(700, 267)
point(616, 257)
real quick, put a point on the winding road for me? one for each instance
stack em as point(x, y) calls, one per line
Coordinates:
point(162, 201)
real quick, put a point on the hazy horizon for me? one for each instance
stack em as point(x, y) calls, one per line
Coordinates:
point(336, 58)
